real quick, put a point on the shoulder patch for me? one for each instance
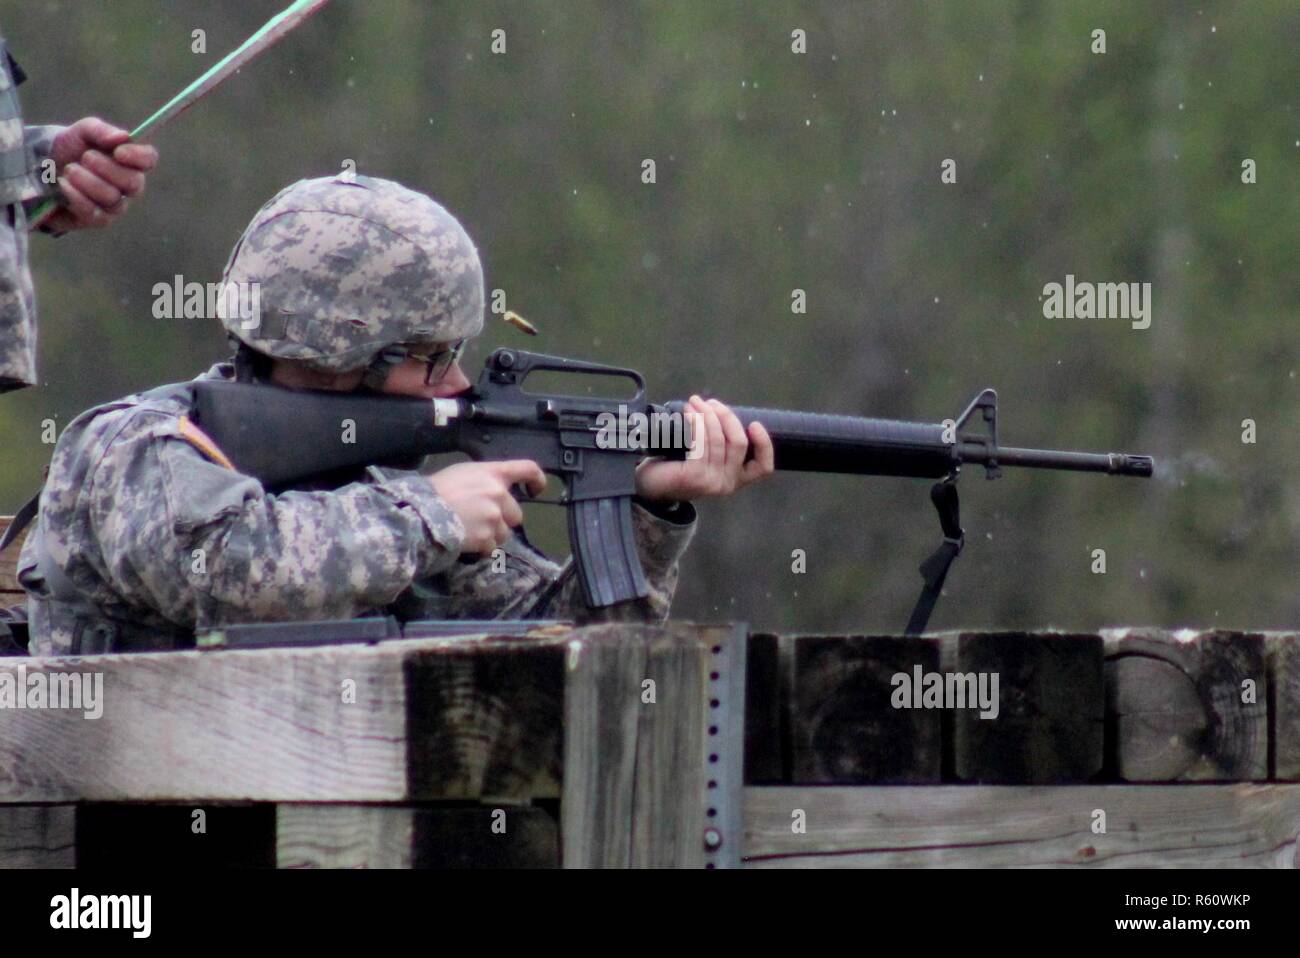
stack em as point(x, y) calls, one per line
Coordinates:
point(197, 438)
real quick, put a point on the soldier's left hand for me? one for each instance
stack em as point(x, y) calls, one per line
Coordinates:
point(719, 467)
point(99, 171)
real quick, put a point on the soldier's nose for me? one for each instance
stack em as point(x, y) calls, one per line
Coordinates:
point(453, 383)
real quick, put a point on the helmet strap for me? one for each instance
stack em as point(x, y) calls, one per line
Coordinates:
point(250, 365)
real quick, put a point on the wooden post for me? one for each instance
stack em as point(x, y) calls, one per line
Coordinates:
point(767, 729)
point(1186, 706)
point(1284, 705)
point(485, 724)
point(843, 723)
point(648, 755)
point(1050, 711)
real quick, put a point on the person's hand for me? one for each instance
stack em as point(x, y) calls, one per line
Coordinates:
point(720, 468)
point(479, 493)
point(99, 171)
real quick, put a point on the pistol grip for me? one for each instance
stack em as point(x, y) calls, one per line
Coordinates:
point(604, 550)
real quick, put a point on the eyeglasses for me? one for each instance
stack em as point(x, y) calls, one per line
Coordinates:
point(438, 364)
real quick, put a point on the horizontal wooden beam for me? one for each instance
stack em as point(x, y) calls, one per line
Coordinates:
point(956, 826)
point(397, 836)
point(37, 836)
point(407, 720)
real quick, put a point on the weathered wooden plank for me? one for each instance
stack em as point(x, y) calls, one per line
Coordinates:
point(485, 724)
point(1186, 706)
point(958, 826)
point(330, 723)
point(671, 753)
point(396, 836)
point(1050, 707)
point(844, 727)
point(487, 836)
point(602, 704)
point(37, 836)
point(344, 836)
point(1284, 705)
point(175, 836)
point(10, 591)
point(637, 755)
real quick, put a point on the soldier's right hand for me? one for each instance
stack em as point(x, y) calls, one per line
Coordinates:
point(479, 493)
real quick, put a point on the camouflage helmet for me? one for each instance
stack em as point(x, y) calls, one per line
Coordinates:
point(347, 267)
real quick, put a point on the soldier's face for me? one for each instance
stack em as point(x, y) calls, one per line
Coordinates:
point(407, 379)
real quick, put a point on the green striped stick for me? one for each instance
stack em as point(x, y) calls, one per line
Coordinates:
point(271, 33)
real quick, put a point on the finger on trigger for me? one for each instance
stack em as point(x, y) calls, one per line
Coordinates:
point(525, 471)
point(512, 512)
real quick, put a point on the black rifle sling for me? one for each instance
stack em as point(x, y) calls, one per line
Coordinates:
point(935, 569)
point(21, 520)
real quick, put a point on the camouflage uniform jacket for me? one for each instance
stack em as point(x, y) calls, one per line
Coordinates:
point(161, 539)
point(21, 151)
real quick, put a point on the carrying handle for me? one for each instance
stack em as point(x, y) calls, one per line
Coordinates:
point(514, 366)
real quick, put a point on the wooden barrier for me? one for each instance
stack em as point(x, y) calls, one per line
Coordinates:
point(434, 751)
point(676, 745)
point(1145, 826)
point(11, 593)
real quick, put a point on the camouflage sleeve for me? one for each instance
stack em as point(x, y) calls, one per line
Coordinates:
point(205, 545)
point(520, 583)
point(40, 140)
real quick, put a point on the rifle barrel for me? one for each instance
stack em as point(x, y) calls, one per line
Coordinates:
point(817, 442)
point(1113, 463)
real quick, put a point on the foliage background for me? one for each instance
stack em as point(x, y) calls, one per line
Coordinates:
point(778, 171)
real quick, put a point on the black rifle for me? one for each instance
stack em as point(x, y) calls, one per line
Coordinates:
point(283, 436)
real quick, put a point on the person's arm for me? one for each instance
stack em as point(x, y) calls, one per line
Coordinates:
point(40, 140)
point(520, 583)
point(205, 545)
point(99, 171)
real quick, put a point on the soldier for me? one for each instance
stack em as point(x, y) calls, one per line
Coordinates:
point(146, 532)
point(95, 172)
